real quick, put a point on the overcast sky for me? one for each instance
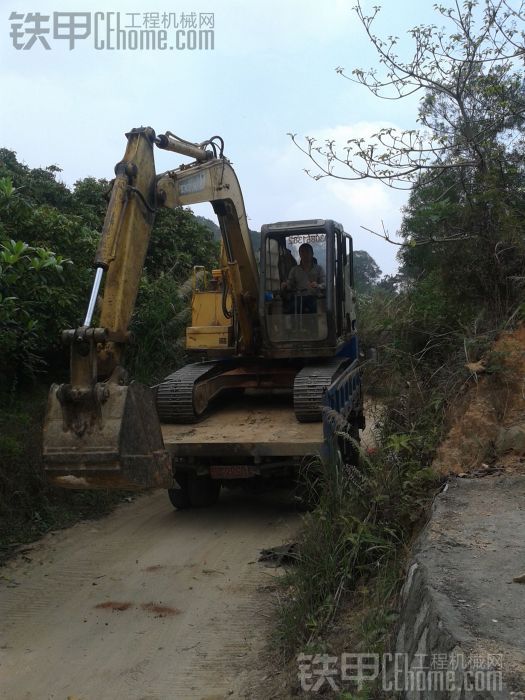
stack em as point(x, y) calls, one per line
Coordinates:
point(272, 71)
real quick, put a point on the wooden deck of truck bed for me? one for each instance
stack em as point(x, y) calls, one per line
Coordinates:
point(248, 426)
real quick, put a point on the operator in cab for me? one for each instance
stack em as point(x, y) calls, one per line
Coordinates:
point(305, 282)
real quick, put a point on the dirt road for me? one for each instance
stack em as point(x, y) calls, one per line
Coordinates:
point(149, 603)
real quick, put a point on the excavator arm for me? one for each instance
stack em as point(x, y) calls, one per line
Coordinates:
point(215, 181)
point(100, 430)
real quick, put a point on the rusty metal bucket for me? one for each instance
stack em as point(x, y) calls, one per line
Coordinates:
point(107, 436)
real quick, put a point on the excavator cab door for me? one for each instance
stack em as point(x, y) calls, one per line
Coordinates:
point(304, 281)
point(295, 295)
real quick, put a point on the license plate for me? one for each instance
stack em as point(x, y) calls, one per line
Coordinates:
point(236, 471)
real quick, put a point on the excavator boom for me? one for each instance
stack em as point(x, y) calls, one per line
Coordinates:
point(99, 430)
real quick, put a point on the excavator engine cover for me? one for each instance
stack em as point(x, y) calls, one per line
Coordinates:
point(107, 436)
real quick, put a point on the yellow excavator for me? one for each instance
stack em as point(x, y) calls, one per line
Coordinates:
point(276, 371)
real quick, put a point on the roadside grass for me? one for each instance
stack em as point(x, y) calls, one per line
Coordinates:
point(354, 544)
point(342, 595)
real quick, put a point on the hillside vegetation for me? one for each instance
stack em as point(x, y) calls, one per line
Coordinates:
point(437, 324)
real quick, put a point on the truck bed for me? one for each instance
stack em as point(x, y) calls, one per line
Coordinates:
point(255, 426)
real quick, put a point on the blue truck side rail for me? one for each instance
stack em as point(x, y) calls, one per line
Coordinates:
point(343, 407)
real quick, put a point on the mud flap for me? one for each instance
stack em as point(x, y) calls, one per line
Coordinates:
point(106, 437)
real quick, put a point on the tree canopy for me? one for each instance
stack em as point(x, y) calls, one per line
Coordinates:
point(463, 225)
point(472, 99)
point(48, 236)
point(366, 272)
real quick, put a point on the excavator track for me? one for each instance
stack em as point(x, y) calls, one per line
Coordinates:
point(179, 401)
point(176, 400)
point(309, 387)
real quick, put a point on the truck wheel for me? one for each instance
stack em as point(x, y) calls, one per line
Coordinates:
point(308, 485)
point(203, 491)
point(179, 498)
point(350, 450)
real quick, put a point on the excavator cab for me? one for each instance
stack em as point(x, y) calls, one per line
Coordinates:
point(306, 300)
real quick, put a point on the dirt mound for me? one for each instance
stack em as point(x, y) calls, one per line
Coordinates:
point(488, 422)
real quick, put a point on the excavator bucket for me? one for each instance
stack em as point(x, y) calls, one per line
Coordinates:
point(106, 437)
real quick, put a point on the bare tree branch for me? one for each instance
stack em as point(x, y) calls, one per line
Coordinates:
point(472, 103)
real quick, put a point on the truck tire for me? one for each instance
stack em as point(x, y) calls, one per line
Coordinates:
point(179, 498)
point(203, 491)
point(308, 485)
point(350, 448)
point(194, 492)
